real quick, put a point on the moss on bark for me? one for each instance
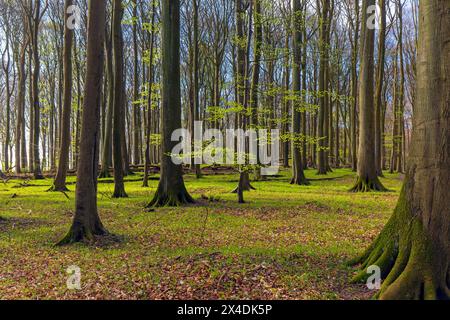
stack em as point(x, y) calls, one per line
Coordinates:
point(405, 256)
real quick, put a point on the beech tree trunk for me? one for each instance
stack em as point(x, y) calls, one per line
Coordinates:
point(171, 190)
point(298, 173)
point(86, 223)
point(367, 174)
point(379, 90)
point(60, 180)
point(107, 138)
point(413, 251)
point(119, 101)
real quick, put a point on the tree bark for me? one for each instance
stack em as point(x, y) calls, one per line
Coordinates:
point(297, 24)
point(86, 223)
point(171, 190)
point(119, 101)
point(60, 180)
point(413, 251)
point(367, 175)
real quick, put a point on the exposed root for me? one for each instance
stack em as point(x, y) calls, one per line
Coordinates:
point(79, 233)
point(119, 193)
point(58, 189)
point(404, 257)
point(368, 185)
point(178, 199)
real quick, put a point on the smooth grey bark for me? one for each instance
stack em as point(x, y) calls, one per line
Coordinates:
point(171, 189)
point(60, 179)
point(86, 223)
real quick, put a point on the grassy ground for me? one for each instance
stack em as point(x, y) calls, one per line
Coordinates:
point(287, 242)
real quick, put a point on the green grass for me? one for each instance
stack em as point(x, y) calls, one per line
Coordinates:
point(286, 242)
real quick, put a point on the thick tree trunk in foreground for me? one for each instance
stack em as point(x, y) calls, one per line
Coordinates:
point(60, 180)
point(86, 223)
point(171, 190)
point(413, 251)
point(119, 101)
point(367, 174)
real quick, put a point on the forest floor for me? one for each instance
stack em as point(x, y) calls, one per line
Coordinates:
point(287, 242)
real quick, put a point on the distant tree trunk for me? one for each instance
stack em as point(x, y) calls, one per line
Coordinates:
point(35, 90)
point(286, 102)
point(86, 223)
point(196, 105)
point(379, 89)
point(119, 101)
point(257, 45)
point(60, 180)
point(20, 106)
point(323, 89)
point(298, 173)
point(367, 174)
point(401, 96)
point(107, 138)
point(171, 190)
point(151, 76)
point(136, 111)
point(6, 68)
point(242, 73)
point(30, 110)
point(353, 113)
point(413, 251)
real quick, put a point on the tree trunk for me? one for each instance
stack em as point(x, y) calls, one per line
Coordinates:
point(298, 173)
point(413, 251)
point(20, 133)
point(86, 223)
point(379, 90)
point(60, 180)
point(323, 94)
point(107, 138)
point(171, 190)
point(353, 113)
point(148, 131)
point(367, 175)
point(119, 101)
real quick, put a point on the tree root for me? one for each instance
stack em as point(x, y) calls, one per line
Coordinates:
point(404, 257)
point(300, 181)
point(163, 199)
point(79, 233)
point(104, 174)
point(54, 188)
point(119, 194)
point(368, 185)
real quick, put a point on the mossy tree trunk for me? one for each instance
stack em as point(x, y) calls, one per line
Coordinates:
point(413, 251)
point(86, 222)
point(367, 174)
point(171, 190)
